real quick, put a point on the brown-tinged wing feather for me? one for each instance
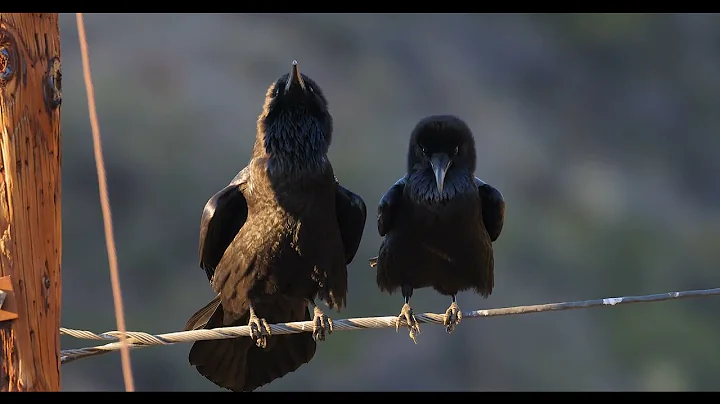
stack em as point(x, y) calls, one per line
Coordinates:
point(223, 216)
point(201, 318)
point(351, 215)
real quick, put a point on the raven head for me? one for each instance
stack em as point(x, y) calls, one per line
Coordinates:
point(295, 124)
point(441, 158)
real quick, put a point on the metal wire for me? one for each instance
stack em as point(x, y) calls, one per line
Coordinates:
point(141, 339)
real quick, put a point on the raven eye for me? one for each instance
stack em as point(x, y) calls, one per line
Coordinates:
point(423, 149)
point(457, 149)
point(276, 91)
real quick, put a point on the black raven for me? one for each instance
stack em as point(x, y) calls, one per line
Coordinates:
point(279, 235)
point(438, 221)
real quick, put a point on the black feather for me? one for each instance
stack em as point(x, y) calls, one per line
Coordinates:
point(439, 238)
point(280, 235)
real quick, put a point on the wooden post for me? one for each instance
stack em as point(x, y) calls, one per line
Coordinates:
point(30, 222)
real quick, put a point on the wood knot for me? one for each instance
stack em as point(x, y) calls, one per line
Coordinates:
point(5, 68)
point(8, 57)
point(53, 84)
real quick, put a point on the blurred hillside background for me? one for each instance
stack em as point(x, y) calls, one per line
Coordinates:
point(600, 130)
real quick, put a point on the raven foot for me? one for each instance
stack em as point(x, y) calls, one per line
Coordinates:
point(259, 330)
point(406, 316)
point(322, 324)
point(453, 316)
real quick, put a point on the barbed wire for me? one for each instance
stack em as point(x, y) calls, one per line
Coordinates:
point(142, 339)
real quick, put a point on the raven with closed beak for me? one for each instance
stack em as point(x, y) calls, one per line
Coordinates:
point(279, 235)
point(438, 221)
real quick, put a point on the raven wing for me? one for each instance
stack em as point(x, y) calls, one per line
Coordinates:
point(202, 316)
point(493, 208)
point(351, 215)
point(224, 215)
point(388, 206)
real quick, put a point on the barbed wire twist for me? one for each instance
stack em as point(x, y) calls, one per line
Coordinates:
point(141, 339)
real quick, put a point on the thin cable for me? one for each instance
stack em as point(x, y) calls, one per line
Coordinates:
point(141, 339)
point(105, 204)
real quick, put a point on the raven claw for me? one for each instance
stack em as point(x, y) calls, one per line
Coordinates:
point(322, 324)
point(452, 319)
point(406, 316)
point(259, 330)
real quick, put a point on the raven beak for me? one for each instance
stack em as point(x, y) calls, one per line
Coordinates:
point(295, 78)
point(440, 162)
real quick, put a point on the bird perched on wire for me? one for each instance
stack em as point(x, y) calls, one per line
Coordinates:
point(438, 221)
point(279, 235)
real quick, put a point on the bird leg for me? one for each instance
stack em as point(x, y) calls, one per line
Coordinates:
point(407, 316)
point(453, 316)
point(259, 329)
point(321, 323)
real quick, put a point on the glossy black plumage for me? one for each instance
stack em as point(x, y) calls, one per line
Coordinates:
point(439, 220)
point(278, 236)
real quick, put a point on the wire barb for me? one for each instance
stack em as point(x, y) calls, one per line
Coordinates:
point(141, 339)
